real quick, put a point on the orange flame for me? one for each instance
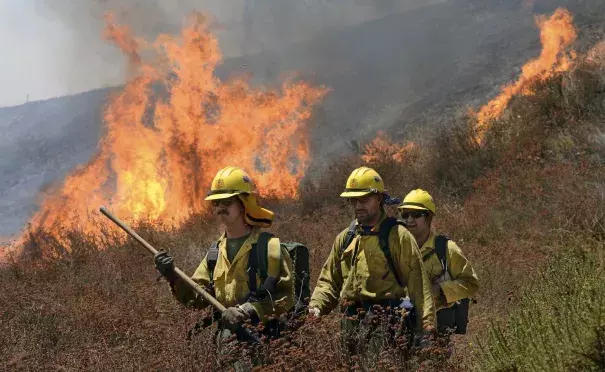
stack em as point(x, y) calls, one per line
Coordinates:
point(381, 150)
point(557, 33)
point(172, 127)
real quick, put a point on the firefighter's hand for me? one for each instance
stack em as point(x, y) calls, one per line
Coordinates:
point(164, 263)
point(439, 296)
point(233, 317)
point(314, 311)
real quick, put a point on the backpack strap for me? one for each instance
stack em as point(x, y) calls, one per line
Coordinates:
point(440, 250)
point(211, 258)
point(262, 246)
point(258, 263)
point(349, 237)
point(383, 238)
point(252, 270)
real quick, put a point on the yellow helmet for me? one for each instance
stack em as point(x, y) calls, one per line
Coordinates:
point(418, 199)
point(230, 181)
point(363, 181)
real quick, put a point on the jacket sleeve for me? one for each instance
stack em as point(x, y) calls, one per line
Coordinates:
point(329, 284)
point(282, 299)
point(187, 296)
point(416, 277)
point(464, 283)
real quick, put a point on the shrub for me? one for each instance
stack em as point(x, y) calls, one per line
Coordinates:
point(558, 324)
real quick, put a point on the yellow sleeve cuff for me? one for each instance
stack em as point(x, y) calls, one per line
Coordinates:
point(258, 309)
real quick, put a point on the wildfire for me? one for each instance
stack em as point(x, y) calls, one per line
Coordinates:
point(172, 126)
point(557, 33)
point(381, 149)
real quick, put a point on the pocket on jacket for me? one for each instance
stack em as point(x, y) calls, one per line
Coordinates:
point(377, 265)
point(345, 262)
point(219, 272)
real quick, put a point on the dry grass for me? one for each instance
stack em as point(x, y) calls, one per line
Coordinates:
point(533, 189)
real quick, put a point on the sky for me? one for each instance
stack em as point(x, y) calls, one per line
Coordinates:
point(45, 54)
point(22, 71)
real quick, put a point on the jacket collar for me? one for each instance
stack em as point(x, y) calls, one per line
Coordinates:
point(246, 247)
point(429, 244)
point(359, 230)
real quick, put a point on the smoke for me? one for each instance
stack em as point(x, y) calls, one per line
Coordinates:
point(386, 60)
point(86, 61)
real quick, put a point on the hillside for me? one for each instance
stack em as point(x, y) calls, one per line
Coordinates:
point(41, 143)
point(415, 69)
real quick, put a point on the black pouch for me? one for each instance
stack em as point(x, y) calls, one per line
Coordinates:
point(454, 317)
point(462, 316)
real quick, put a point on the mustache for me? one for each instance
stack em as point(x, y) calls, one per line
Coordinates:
point(222, 211)
point(361, 211)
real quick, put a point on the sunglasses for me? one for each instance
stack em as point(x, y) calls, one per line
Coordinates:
point(226, 202)
point(414, 214)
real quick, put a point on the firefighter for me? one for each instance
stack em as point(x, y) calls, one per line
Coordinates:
point(453, 279)
point(361, 273)
point(231, 266)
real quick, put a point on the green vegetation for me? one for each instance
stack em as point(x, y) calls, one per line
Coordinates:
point(558, 325)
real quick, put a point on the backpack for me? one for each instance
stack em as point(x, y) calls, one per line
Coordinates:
point(383, 239)
point(455, 316)
point(257, 263)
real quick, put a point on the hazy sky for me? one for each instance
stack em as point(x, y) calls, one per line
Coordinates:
point(45, 53)
point(27, 40)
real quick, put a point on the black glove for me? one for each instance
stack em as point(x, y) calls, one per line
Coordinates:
point(164, 263)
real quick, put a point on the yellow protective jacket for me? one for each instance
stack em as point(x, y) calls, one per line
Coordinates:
point(231, 279)
point(369, 278)
point(460, 282)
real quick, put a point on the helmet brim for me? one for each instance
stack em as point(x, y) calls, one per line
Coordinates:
point(221, 196)
point(404, 206)
point(355, 194)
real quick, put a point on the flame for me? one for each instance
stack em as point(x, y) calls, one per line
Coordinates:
point(557, 33)
point(172, 127)
point(381, 150)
